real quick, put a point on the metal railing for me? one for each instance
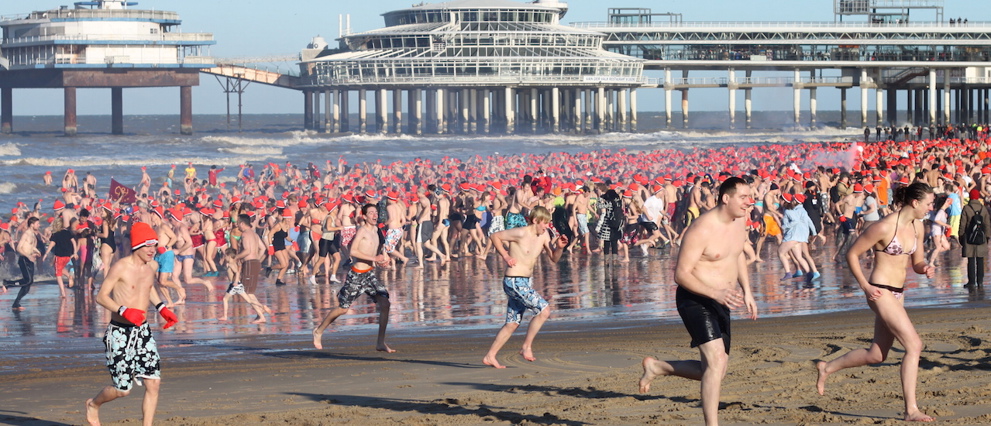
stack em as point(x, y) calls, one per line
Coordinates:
point(157, 15)
point(189, 37)
point(318, 80)
point(781, 24)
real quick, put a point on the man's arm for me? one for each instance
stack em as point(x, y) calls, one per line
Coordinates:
point(559, 245)
point(507, 236)
point(744, 278)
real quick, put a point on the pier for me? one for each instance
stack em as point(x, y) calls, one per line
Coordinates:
point(99, 44)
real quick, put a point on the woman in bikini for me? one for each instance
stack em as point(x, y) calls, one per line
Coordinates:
point(108, 240)
point(897, 241)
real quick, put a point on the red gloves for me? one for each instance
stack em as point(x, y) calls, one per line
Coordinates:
point(167, 315)
point(135, 316)
point(161, 250)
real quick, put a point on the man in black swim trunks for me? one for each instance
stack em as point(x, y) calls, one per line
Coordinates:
point(710, 265)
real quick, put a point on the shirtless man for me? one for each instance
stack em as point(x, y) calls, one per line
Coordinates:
point(394, 228)
point(710, 266)
point(249, 257)
point(186, 253)
point(28, 254)
point(525, 246)
point(846, 211)
point(315, 216)
point(131, 351)
point(345, 219)
point(361, 279)
point(424, 228)
point(441, 224)
point(145, 184)
point(165, 257)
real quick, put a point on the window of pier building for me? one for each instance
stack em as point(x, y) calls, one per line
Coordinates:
point(470, 15)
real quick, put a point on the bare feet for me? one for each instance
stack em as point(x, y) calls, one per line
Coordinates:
point(919, 416)
point(821, 381)
point(222, 319)
point(527, 354)
point(19, 308)
point(384, 348)
point(492, 361)
point(259, 319)
point(317, 335)
point(180, 302)
point(92, 413)
point(650, 372)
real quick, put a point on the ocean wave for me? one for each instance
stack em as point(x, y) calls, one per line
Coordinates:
point(103, 162)
point(9, 150)
point(7, 188)
point(252, 150)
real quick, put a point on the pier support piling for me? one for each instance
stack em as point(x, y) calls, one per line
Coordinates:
point(117, 110)
point(842, 108)
point(307, 110)
point(633, 110)
point(186, 110)
point(6, 110)
point(70, 111)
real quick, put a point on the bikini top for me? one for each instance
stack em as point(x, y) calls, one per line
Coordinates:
point(895, 247)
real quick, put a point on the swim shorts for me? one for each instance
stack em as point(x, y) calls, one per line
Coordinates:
point(705, 319)
point(425, 231)
point(329, 247)
point(522, 297)
point(358, 283)
point(60, 263)
point(166, 261)
point(347, 234)
point(131, 354)
point(771, 226)
point(498, 224)
point(392, 239)
point(250, 270)
point(582, 223)
point(515, 220)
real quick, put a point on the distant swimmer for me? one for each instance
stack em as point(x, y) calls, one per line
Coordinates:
point(525, 245)
point(710, 266)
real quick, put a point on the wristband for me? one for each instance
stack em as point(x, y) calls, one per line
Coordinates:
point(160, 306)
point(121, 310)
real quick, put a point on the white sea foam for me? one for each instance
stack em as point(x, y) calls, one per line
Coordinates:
point(9, 150)
point(252, 150)
point(104, 162)
point(7, 188)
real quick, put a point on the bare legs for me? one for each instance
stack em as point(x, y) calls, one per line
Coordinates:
point(383, 305)
point(710, 371)
point(891, 322)
point(109, 393)
point(507, 331)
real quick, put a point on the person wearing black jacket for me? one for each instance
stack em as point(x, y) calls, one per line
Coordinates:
point(975, 253)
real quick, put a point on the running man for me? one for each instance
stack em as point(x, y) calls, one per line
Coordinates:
point(525, 246)
point(710, 265)
point(27, 249)
point(361, 279)
point(132, 354)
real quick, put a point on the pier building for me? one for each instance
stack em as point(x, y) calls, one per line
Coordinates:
point(920, 70)
point(99, 44)
point(472, 66)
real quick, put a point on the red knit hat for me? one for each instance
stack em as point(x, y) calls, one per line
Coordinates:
point(142, 235)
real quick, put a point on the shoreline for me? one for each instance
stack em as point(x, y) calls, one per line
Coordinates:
point(583, 375)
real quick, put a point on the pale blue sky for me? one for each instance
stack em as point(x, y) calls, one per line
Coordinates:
point(251, 28)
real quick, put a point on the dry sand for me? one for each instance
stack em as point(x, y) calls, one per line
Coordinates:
point(586, 373)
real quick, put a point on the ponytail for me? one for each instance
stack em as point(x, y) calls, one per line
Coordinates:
point(904, 195)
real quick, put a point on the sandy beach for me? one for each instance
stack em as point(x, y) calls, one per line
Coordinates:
point(586, 373)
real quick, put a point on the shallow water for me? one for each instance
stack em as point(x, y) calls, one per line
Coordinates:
point(465, 296)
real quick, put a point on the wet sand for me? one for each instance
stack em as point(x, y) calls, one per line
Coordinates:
point(586, 373)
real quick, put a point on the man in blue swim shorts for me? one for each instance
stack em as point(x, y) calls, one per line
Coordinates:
point(710, 265)
point(525, 246)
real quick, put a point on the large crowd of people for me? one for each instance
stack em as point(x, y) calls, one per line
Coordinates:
point(321, 223)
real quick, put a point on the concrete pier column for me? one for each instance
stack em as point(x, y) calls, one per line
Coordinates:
point(397, 111)
point(633, 110)
point(345, 110)
point(328, 111)
point(334, 109)
point(578, 119)
point(932, 96)
point(918, 107)
point(464, 102)
point(70, 111)
point(863, 98)
point(439, 99)
point(946, 95)
point(879, 100)
point(430, 101)
point(117, 110)
point(486, 124)
point(534, 98)
point(611, 110)
point(748, 105)
point(307, 110)
point(668, 86)
point(842, 108)
point(315, 125)
point(362, 110)
point(909, 105)
point(6, 110)
point(509, 107)
point(472, 99)
point(621, 109)
point(186, 110)
point(416, 112)
point(731, 87)
point(600, 110)
point(684, 108)
point(797, 97)
point(892, 108)
point(555, 110)
point(381, 111)
point(813, 106)
point(589, 112)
